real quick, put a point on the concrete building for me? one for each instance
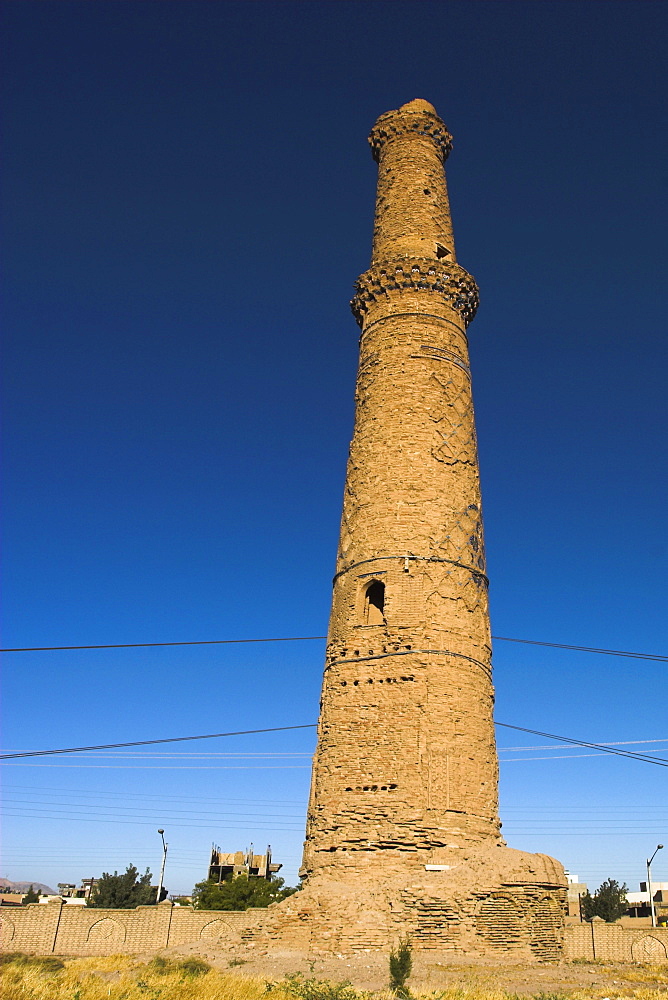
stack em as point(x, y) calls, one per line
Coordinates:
point(639, 902)
point(223, 866)
point(70, 891)
point(576, 890)
point(11, 898)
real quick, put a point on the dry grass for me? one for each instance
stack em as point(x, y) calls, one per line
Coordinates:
point(121, 977)
point(648, 974)
point(644, 994)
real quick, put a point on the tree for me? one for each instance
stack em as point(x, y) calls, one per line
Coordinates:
point(30, 897)
point(239, 893)
point(608, 902)
point(124, 892)
point(401, 965)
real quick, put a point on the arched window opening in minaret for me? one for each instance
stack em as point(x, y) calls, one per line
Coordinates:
point(374, 603)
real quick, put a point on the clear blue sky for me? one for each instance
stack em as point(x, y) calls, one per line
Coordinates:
point(188, 201)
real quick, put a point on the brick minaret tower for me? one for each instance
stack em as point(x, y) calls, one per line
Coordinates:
point(406, 761)
point(403, 835)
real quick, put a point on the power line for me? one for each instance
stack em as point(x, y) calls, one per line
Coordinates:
point(138, 645)
point(610, 743)
point(595, 820)
point(140, 822)
point(136, 809)
point(646, 758)
point(504, 761)
point(656, 657)
point(261, 767)
point(243, 824)
point(176, 767)
point(145, 743)
point(101, 793)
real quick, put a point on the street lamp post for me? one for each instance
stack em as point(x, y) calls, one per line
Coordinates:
point(659, 847)
point(162, 866)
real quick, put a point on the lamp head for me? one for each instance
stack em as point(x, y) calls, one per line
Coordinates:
point(161, 831)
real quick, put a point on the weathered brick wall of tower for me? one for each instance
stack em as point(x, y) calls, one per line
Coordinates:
point(403, 835)
point(406, 759)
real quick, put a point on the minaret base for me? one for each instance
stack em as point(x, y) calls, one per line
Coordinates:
point(487, 903)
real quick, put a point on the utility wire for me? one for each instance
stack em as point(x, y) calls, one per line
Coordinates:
point(145, 743)
point(658, 658)
point(646, 758)
point(138, 645)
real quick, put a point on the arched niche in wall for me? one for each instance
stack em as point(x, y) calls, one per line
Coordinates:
point(373, 610)
point(107, 931)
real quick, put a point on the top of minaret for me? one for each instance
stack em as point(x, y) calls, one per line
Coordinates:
point(416, 117)
point(410, 145)
point(418, 105)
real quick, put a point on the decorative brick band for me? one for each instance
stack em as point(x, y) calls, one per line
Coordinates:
point(417, 274)
point(396, 124)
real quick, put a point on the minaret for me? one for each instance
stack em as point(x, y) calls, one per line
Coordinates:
point(406, 761)
point(403, 834)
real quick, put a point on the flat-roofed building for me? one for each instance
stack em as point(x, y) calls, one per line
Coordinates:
point(223, 866)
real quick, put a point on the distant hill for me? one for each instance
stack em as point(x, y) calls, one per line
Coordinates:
point(43, 890)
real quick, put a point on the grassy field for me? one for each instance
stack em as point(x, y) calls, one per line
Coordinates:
point(123, 978)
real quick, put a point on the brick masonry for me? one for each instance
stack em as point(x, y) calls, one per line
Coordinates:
point(63, 929)
point(615, 943)
point(403, 832)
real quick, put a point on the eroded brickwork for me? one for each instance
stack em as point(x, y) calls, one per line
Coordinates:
point(404, 807)
point(406, 760)
point(437, 925)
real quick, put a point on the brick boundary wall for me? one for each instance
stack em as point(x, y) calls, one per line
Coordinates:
point(62, 929)
point(615, 943)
